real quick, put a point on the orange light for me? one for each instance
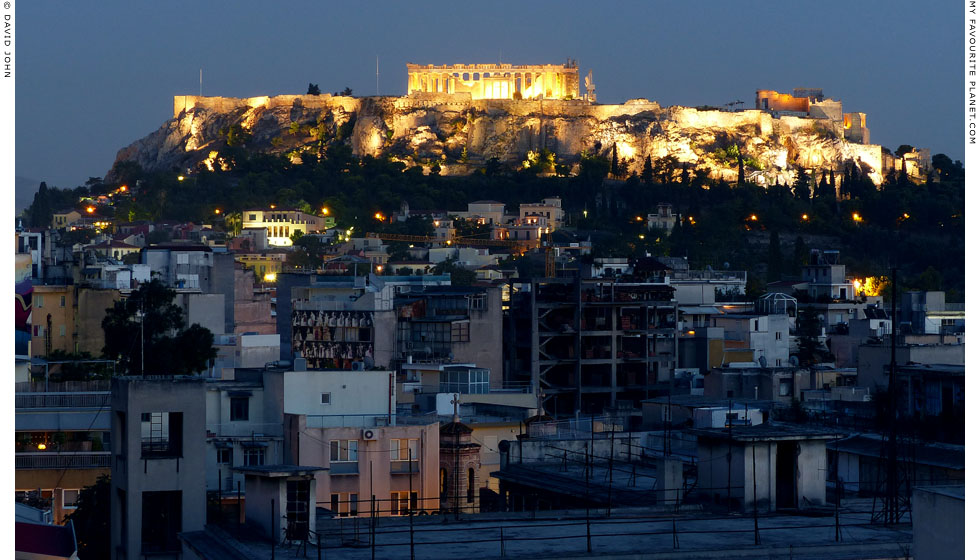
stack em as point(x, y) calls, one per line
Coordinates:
point(325, 211)
point(690, 332)
point(379, 268)
point(180, 177)
point(379, 216)
point(639, 218)
point(806, 217)
point(217, 210)
point(754, 218)
point(905, 215)
point(90, 209)
point(856, 217)
point(123, 188)
point(273, 206)
point(42, 446)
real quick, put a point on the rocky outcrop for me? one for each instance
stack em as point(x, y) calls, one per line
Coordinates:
point(461, 134)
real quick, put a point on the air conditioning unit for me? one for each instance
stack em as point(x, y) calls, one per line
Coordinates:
point(369, 435)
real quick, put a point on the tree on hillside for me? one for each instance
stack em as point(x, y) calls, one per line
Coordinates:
point(40, 211)
point(775, 262)
point(614, 166)
point(458, 275)
point(647, 174)
point(314, 89)
point(144, 334)
point(801, 187)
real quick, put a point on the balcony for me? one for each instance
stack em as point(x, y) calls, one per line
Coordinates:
point(343, 467)
point(404, 467)
point(244, 429)
point(89, 399)
point(67, 460)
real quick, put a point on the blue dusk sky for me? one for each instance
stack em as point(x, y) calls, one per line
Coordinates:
point(92, 77)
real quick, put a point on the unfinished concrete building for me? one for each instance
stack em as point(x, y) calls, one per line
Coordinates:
point(588, 344)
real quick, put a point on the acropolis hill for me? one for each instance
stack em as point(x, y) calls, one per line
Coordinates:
point(462, 115)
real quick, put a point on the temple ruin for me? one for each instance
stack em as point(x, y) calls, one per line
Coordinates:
point(497, 81)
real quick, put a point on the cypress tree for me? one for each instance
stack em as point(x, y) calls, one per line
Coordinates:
point(647, 174)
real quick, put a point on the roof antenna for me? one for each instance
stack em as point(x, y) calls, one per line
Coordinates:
point(377, 75)
point(201, 83)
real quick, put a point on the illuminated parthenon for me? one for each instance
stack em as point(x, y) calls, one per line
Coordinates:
point(497, 81)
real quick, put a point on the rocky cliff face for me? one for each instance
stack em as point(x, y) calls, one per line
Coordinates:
point(461, 134)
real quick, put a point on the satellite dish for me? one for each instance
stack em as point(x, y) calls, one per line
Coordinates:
point(726, 265)
point(763, 361)
point(794, 361)
point(821, 317)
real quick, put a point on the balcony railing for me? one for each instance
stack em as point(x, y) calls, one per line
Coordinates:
point(244, 429)
point(90, 399)
point(343, 467)
point(79, 460)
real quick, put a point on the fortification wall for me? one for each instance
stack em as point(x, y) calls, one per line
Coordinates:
point(228, 104)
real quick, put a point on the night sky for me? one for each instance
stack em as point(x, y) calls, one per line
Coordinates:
point(93, 77)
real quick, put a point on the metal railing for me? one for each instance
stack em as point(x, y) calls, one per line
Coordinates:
point(97, 385)
point(350, 420)
point(76, 460)
point(89, 399)
point(245, 429)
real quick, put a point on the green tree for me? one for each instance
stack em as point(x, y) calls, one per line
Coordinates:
point(614, 166)
point(801, 187)
point(647, 174)
point(313, 89)
point(40, 211)
point(808, 329)
point(144, 334)
point(91, 519)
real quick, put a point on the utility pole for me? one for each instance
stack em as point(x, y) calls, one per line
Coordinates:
point(200, 78)
point(891, 483)
point(377, 75)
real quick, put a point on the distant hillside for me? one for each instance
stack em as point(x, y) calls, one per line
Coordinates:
point(461, 134)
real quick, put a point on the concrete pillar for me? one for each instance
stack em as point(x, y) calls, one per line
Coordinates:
point(670, 480)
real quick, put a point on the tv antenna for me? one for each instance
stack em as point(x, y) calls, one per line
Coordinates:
point(200, 78)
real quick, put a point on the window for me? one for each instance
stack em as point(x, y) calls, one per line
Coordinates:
point(239, 409)
point(404, 449)
point(402, 503)
point(443, 483)
point(251, 217)
point(160, 434)
point(470, 486)
point(224, 455)
point(344, 450)
point(62, 301)
point(182, 258)
point(779, 335)
point(344, 504)
point(461, 331)
point(254, 456)
point(324, 398)
point(38, 300)
point(61, 330)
